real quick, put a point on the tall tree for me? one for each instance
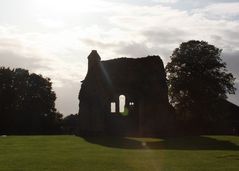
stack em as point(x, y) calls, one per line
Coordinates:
point(198, 80)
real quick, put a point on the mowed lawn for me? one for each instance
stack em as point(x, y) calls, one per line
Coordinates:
point(71, 153)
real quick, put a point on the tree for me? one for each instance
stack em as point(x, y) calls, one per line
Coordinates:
point(198, 80)
point(6, 99)
point(27, 103)
point(70, 124)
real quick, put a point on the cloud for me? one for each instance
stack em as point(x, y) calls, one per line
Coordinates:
point(133, 49)
point(221, 11)
point(15, 60)
point(165, 1)
point(99, 44)
point(67, 97)
point(13, 53)
point(232, 61)
point(129, 49)
point(159, 35)
point(234, 98)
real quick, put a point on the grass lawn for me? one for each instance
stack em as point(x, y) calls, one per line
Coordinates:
point(71, 153)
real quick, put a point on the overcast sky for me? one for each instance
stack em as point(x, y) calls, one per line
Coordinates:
point(54, 37)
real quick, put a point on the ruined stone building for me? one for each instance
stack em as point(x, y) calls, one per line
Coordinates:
point(126, 96)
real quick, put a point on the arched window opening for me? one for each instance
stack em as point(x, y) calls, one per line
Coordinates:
point(122, 103)
point(112, 107)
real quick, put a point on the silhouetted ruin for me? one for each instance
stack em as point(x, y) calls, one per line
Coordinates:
point(125, 96)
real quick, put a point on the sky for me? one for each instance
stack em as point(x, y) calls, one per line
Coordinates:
point(54, 37)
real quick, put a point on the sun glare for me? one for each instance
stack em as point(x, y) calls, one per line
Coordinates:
point(68, 6)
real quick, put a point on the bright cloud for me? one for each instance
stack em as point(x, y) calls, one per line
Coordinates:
point(166, 1)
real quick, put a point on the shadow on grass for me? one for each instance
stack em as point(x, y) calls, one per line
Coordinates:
point(177, 143)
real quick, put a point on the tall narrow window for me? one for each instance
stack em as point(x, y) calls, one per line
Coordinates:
point(121, 103)
point(112, 107)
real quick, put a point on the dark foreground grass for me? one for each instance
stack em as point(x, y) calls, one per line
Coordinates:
point(71, 153)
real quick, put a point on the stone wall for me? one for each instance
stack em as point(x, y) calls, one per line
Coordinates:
point(141, 80)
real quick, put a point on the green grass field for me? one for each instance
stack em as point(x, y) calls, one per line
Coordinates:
point(75, 153)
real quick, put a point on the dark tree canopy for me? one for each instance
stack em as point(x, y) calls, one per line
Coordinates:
point(70, 124)
point(198, 80)
point(27, 103)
